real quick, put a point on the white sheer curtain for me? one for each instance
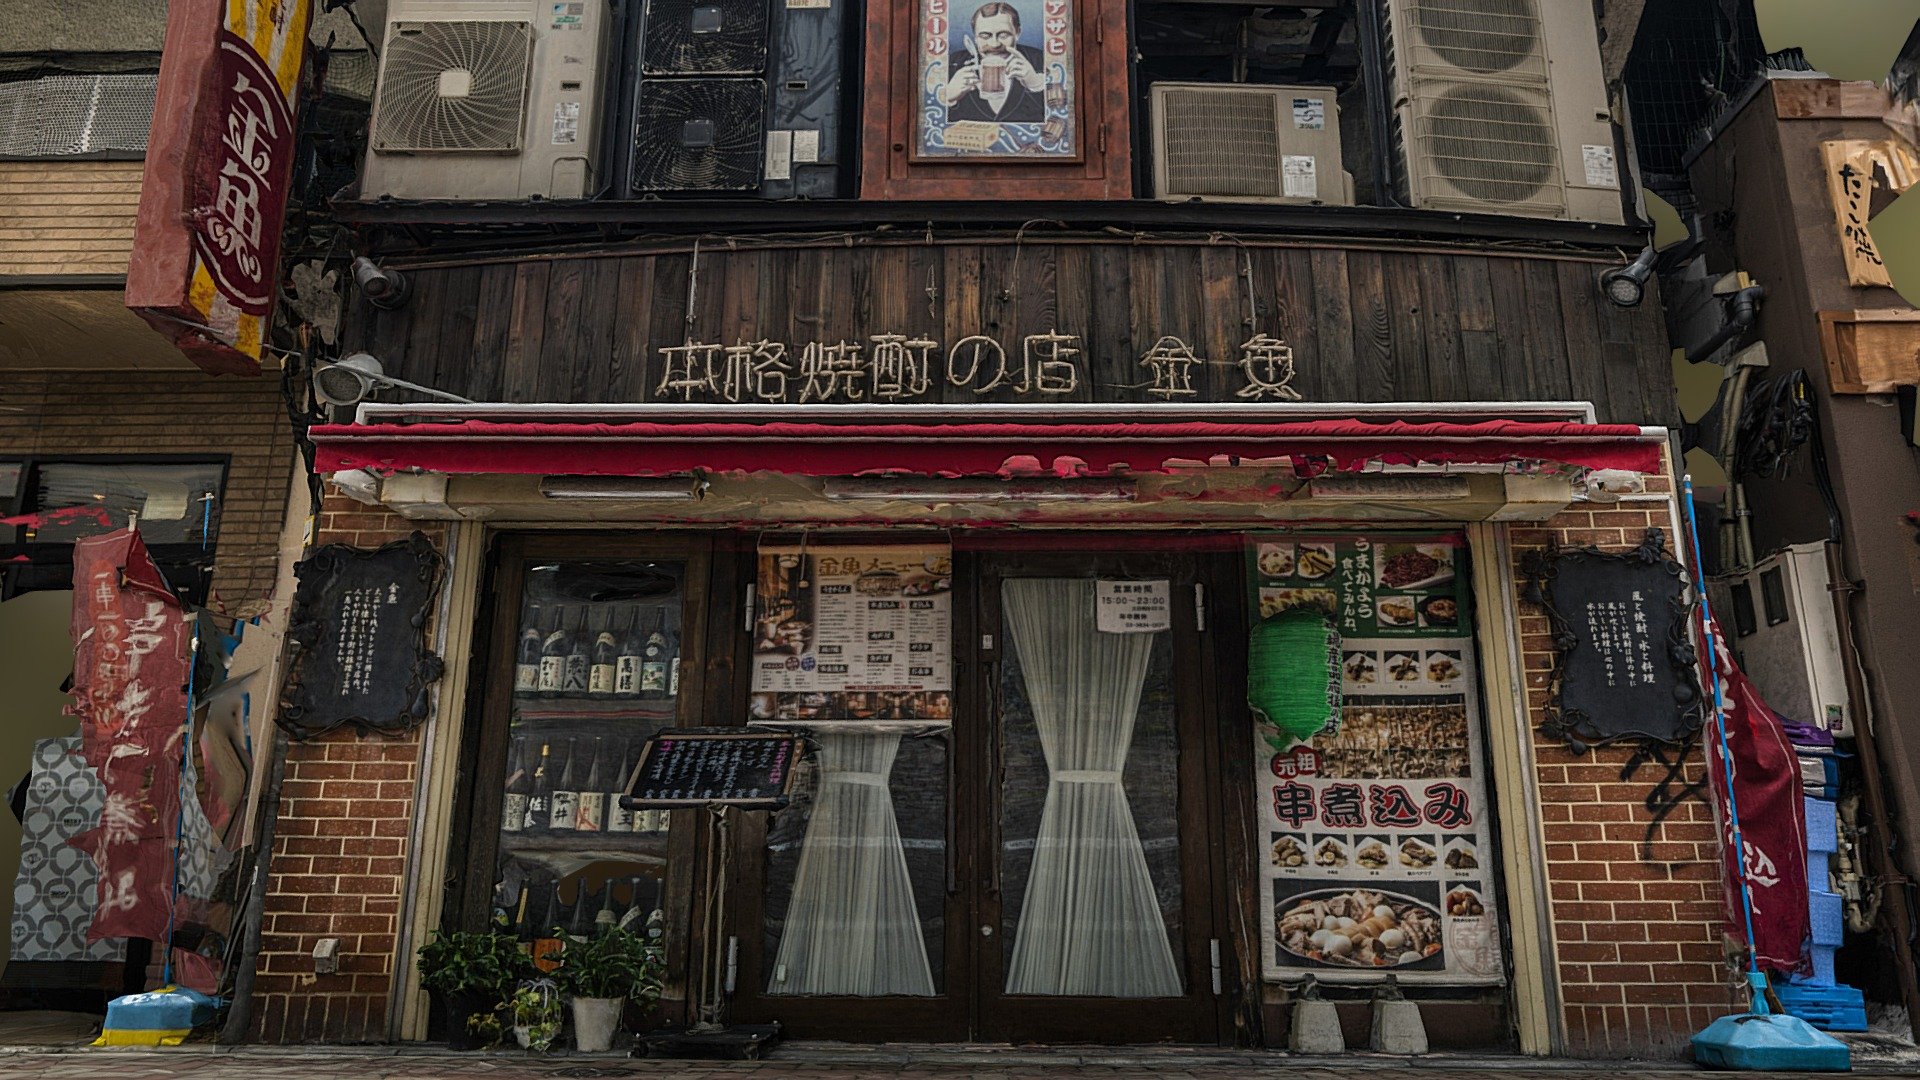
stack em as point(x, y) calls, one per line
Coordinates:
point(852, 927)
point(1090, 924)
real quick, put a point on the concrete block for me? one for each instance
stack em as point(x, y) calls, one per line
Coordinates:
point(1315, 1029)
point(1397, 1028)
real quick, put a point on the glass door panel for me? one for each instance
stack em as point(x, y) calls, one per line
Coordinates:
point(596, 667)
point(1089, 801)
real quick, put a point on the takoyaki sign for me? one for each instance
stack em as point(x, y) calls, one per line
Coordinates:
point(1375, 832)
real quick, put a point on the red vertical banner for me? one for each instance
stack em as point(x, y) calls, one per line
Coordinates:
point(206, 252)
point(1772, 854)
point(130, 664)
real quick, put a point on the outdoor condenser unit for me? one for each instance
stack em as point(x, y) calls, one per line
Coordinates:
point(700, 107)
point(1780, 621)
point(487, 99)
point(1247, 143)
point(1501, 108)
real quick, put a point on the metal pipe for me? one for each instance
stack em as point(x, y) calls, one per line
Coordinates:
point(1745, 304)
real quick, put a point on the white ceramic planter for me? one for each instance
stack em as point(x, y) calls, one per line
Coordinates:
point(594, 1022)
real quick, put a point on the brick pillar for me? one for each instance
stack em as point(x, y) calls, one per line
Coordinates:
point(1637, 928)
point(339, 858)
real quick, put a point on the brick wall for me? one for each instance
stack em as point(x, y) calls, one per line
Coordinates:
point(1640, 959)
point(172, 412)
point(339, 858)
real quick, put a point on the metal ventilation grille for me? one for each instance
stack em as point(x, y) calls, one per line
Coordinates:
point(698, 135)
point(351, 74)
point(1491, 144)
point(1224, 143)
point(1486, 37)
point(706, 37)
point(70, 115)
point(453, 86)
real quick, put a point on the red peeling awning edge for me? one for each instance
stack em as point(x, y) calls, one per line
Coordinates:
point(478, 447)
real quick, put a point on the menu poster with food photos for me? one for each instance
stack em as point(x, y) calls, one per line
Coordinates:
point(853, 634)
point(1375, 834)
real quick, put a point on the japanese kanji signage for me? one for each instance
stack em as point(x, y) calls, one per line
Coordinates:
point(130, 657)
point(1133, 607)
point(704, 768)
point(1623, 658)
point(1853, 168)
point(1375, 833)
point(853, 633)
point(911, 367)
point(359, 630)
point(220, 156)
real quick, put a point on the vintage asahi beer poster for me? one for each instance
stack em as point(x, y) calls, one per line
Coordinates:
point(1375, 831)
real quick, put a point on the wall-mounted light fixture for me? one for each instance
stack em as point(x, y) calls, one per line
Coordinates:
point(1626, 285)
point(384, 289)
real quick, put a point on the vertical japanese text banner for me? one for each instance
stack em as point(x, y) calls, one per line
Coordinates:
point(206, 245)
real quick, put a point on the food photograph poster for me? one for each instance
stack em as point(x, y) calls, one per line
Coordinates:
point(1375, 834)
point(996, 80)
point(853, 634)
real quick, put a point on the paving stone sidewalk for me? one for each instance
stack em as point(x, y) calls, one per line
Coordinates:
point(369, 1063)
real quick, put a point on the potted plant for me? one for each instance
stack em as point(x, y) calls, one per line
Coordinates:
point(536, 1015)
point(602, 972)
point(472, 972)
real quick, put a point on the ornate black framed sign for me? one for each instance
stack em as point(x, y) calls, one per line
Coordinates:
point(1623, 655)
point(359, 633)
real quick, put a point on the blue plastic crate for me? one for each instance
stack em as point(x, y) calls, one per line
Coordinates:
point(1822, 967)
point(1823, 825)
point(1826, 913)
point(1830, 1008)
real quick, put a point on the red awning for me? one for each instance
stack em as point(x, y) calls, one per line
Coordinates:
point(962, 449)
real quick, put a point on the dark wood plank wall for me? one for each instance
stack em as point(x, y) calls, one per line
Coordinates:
point(1365, 325)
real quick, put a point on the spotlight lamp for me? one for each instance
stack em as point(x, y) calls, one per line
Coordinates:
point(1626, 285)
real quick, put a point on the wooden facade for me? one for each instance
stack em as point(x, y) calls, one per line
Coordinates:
point(1364, 324)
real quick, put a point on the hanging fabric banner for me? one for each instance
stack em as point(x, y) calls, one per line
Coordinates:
point(1773, 828)
point(1374, 827)
point(130, 657)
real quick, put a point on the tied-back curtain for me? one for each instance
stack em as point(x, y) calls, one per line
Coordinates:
point(852, 927)
point(1091, 924)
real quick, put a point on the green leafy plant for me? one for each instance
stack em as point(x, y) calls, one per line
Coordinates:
point(485, 1028)
point(479, 963)
point(616, 963)
point(536, 1007)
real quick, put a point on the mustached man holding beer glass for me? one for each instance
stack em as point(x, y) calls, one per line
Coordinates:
point(997, 78)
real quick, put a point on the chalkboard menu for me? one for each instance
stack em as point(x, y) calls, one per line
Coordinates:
point(1623, 644)
point(704, 768)
point(359, 632)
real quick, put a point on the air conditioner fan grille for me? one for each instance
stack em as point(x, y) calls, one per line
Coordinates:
point(453, 86)
point(1220, 143)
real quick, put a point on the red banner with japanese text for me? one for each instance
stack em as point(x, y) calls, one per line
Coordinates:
point(206, 253)
point(1773, 827)
point(130, 664)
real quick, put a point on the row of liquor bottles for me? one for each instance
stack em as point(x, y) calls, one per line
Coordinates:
point(608, 651)
point(583, 796)
point(538, 910)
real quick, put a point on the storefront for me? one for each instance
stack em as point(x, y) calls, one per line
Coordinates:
point(1118, 731)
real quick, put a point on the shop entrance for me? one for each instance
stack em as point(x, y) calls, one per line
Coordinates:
point(1039, 870)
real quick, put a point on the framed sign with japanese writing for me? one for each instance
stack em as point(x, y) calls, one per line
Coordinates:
point(359, 634)
point(853, 634)
point(1623, 656)
point(747, 769)
point(1375, 844)
point(997, 81)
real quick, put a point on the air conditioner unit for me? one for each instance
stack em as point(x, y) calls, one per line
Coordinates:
point(487, 99)
point(699, 134)
point(1244, 143)
point(1779, 618)
point(1501, 108)
point(704, 37)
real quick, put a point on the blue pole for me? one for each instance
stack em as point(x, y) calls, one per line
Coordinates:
point(1720, 729)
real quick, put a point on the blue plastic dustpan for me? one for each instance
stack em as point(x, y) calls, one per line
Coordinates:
point(1763, 1041)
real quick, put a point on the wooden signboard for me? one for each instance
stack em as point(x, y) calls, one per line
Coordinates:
point(750, 770)
point(359, 629)
point(1623, 644)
